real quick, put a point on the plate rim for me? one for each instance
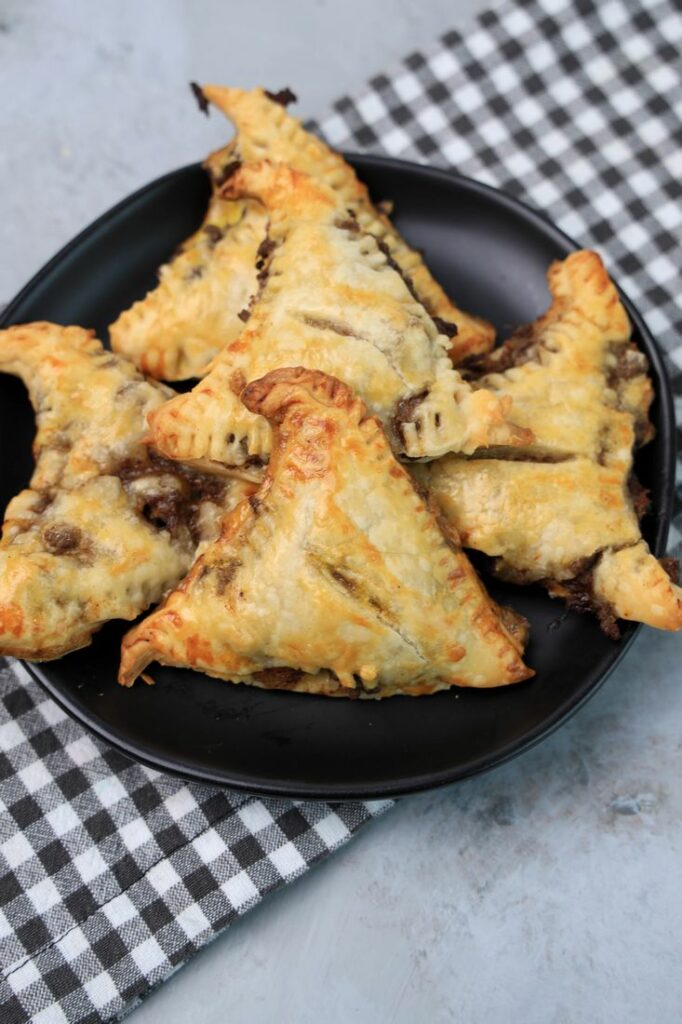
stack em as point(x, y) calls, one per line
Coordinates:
point(430, 779)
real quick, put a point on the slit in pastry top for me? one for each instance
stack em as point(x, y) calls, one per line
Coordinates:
point(332, 299)
point(180, 326)
point(335, 576)
point(105, 526)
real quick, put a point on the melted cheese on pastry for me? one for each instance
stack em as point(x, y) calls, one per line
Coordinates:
point(333, 301)
point(105, 528)
point(334, 577)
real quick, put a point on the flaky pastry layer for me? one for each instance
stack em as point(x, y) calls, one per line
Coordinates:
point(105, 527)
point(571, 522)
point(175, 331)
point(265, 130)
point(574, 376)
point(334, 577)
point(181, 325)
point(333, 300)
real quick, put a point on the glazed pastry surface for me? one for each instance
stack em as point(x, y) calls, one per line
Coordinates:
point(334, 577)
point(105, 527)
point(331, 300)
point(571, 522)
point(574, 376)
point(175, 331)
point(265, 130)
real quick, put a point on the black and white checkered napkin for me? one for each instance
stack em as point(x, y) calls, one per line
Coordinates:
point(111, 874)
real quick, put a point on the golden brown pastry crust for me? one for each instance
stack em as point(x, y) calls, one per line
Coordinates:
point(538, 520)
point(334, 577)
point(265, 130)
point(574, 377)
point(181, 325)
point(332, 300)
point(177, 328)
point(637, 587)
point(570, 524)
point(103, 530)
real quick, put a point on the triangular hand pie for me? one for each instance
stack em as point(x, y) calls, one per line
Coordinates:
point(105, 527)
point(266, 131)
point(575, 378)
point(334, 577)
point(331, 300)
point(570, 524)
point(178, 328)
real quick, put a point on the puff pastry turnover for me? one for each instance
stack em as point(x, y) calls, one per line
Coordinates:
point(265, 130)
point(334, 577)
point(332, 299)
point(105, 527)
point(572, 524)
point(175, 331)
point(575, 378)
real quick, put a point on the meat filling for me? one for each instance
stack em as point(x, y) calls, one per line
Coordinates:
point(61, 538)
point(521, 348)
point(213, 234)
point(579, 596)
point(168, 494)
point(279, 678)
point(226, 173)
point(405, 410)
point(639, 496)
point(445, 327)
point(629, 363)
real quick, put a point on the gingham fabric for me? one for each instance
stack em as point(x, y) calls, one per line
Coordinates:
point(113, 874)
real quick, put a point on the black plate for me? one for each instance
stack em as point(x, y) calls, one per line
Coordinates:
point(490, 252)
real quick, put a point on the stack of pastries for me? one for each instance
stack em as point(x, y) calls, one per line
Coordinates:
point(300, 516)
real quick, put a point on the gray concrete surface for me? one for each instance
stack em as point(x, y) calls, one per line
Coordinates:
point(95, 100)
point(546, 892)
